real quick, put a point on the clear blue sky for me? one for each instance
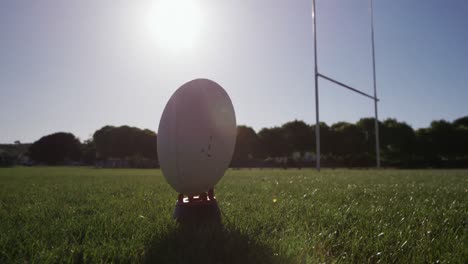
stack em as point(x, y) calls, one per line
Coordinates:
point(76, 66)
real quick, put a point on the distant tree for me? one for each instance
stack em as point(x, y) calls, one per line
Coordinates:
point(326, 138)
point(273, 142)
point(298, 136)
point(443, 138)
point(247, 144)
point(146, 141)
point(56, 148)
point(125, 141)
point(398, 141)
point(6, 159)
point(461, 122)
point(88, 150)
point(367, 125)
point(461, 139)
point(348, 140)
point(103, 142)
point(460, 127)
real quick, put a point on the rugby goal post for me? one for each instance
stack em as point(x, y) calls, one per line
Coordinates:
point(325, 77)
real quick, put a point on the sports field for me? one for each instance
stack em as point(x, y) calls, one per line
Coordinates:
point(55, 215)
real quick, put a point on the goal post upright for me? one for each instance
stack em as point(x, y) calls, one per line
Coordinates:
point(317, 74)
point(376, 119)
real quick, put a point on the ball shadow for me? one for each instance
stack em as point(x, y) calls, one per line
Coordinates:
point(212, 243)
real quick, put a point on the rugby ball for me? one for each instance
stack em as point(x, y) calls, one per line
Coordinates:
point(196, 136)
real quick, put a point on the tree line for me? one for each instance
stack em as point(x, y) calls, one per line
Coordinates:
point(343, 144)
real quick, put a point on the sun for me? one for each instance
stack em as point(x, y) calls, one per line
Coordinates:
point(176, 23)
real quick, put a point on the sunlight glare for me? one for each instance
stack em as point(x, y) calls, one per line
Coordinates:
point(176, 23)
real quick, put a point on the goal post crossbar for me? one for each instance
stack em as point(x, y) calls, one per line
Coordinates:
point(347, 86)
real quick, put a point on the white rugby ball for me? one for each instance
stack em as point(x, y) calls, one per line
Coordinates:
point(196, 136)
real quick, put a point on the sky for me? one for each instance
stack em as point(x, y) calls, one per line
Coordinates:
point(78, 65)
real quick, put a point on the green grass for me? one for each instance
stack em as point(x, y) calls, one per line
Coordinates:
point(54, 215)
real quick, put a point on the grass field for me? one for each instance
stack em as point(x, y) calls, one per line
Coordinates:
point(269, 216)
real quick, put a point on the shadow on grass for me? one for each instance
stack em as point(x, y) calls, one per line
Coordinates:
point(208, 244)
